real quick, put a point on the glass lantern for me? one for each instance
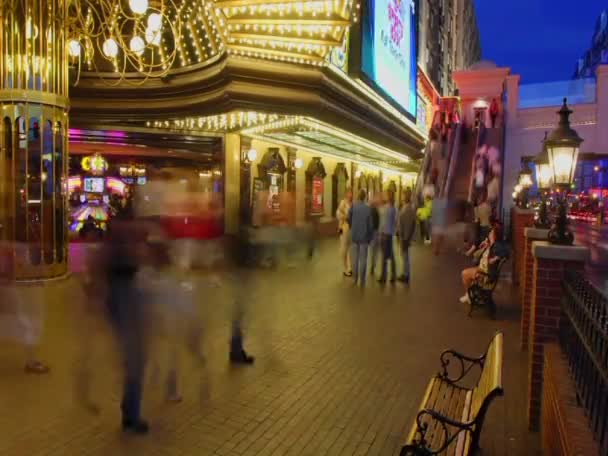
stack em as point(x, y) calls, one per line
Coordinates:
point(562, 150)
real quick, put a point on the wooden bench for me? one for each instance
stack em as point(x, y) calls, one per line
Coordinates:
point(482, 291)
point(451, 416)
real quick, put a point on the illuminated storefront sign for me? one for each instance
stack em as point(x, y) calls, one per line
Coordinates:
point(95, 164)
point(316, 204)
point(388, 50)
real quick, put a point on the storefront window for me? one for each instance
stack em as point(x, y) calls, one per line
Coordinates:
point(60, 219)
point(34, 196)
point(47, 178)
point(20, 194)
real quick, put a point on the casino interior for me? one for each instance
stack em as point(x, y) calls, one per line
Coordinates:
point(248, 95)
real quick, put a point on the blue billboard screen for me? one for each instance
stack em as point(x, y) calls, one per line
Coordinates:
point(388, 50)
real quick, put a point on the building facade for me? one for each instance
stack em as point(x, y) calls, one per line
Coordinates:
point(449, 40)
point(262, 99)
point(597, 54)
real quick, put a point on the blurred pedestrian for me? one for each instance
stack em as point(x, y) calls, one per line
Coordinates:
point(127, 313)
point(406, 227)
point(483, 216)
point(22, 321)
point(493, 111)
point(388, 229)
point(361, 227)
point(345, 234)
point(375, 243)
point(423, 215)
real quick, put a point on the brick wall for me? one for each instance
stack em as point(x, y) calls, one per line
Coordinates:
point(526, 292)
point(565, 430)
point(520, 220)
point(544, 324)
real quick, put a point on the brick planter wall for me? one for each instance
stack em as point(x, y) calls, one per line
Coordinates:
point(520, 220)
point(530, 235)
point(564, 428)
point(550, 262)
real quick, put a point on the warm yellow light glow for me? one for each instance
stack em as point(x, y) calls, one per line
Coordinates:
point(153, 37)
point(155, 22)
point(110, 48)
point(525, 180)
point(137, 45)
point(252, 154)
point(74, 48)
point(563, 163)
point(138, 6)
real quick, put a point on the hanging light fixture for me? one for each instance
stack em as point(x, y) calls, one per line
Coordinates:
point(543, 182)
point(562, 148)
point(74, 48)
point(138, 6)
point(137, 45)
point(155, 22)
point(110, 48)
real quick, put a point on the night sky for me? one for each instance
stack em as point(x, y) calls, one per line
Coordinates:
point(539, 39)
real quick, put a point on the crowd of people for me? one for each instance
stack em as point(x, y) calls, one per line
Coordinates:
point(368, 231)
point(138, 280)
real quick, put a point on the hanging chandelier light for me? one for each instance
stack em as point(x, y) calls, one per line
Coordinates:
point(108, 37)
point(125, 40)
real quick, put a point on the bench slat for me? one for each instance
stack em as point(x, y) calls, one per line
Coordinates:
point(461, 404)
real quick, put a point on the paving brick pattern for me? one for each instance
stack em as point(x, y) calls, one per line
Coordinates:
point(339, 371)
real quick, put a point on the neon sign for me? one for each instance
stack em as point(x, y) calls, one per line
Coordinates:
point(95, 164)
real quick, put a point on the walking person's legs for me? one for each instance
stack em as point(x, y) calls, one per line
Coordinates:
point(133, 386)
point(345, 252)
point(391, 257)
point(374, 246)
point(355, 249)
point(238, 354)
point(405, 258)
point(363, 250)
point(385, 257)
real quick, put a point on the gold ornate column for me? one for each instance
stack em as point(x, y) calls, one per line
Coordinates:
point(33, 137)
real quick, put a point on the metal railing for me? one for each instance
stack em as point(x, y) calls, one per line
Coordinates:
point(583, 337)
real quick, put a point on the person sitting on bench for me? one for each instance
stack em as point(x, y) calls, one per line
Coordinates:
point(489, 253)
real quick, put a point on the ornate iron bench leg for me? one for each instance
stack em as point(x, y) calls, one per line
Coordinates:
point(411, 450)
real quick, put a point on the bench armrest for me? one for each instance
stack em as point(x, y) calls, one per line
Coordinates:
point(420, 445)
point(466, 363)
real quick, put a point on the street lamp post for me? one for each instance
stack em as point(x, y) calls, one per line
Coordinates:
point(544, 176)
point(562, 148)
point(524, 182)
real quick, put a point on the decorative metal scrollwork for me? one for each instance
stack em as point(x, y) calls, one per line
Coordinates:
point(465, 363)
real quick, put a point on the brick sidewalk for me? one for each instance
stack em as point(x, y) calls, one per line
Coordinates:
point(338, 371)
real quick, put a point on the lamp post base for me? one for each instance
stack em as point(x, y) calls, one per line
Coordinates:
point(559, 234)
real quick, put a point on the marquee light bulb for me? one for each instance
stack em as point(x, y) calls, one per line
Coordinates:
point(153, 37)
point(138, 6)
point(74, 48)
point(155, 22)
point(252, 154)
point(110, 48)
point(137, 45)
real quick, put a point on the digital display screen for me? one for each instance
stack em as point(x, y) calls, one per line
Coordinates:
point(141, 181)
point(94, 184)
point(388, 50)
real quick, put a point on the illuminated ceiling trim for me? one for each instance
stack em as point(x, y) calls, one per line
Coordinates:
point(364, 164)
point(321, 126)
point(269, 126)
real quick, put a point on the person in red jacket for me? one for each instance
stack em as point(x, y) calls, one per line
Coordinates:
point(494, 112)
